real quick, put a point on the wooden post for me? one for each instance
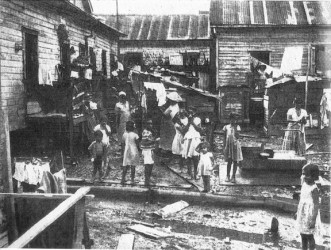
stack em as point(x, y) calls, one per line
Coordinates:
point(41, 225)
point(79, 224)
point(71, 122)
point(10, 205)
point(307, 75)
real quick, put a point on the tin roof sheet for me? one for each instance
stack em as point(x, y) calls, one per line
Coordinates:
point(162, 27)
point(269, 12)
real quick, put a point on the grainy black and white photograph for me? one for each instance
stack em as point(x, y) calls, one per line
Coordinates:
point(165, 124)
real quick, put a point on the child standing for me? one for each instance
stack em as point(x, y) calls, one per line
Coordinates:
point(98, 152)
point(106, 132)
point(232, 147)
point(147, 146)
point(192, 139)
point(130, 151)
point(308, 205)
point(205, 166)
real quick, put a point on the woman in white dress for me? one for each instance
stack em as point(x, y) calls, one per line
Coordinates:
point(123, 114)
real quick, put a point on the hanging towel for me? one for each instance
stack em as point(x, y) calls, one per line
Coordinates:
point(48, 183)
point(61, 179)
point(19, 171)
point(144, 102)
point(161, 93)
point(45, 76)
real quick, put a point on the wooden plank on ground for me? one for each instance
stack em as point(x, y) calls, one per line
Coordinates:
point(149, 232)
point(172, 209)
point(145, 223)
point(125, 242)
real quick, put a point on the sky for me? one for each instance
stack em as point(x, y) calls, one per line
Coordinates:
point(159, 7)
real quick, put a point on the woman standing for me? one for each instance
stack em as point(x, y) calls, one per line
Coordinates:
point(295, 135)
point(123, 114)
point(167, 130)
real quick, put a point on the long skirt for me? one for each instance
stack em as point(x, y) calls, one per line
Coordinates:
point(295, 140)
point(232, 150)
point(167, 134)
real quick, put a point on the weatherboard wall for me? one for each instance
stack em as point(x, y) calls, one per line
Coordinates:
point(235, 44)
point(39, 17)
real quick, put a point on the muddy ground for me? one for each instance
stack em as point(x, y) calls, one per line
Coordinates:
point(195, 227)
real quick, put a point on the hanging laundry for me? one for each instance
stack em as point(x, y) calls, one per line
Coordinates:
point(325, 108)
point(161, 93)
point(45, 76)
point(48, 184)
point(144, 102)
point(61, 179)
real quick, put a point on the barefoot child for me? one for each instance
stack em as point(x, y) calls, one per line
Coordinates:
point(205, 167)
point(308, 205)
point(98, 152)
point(130, 151)
point(106, 131)
point(147, 146)
point(232, 147)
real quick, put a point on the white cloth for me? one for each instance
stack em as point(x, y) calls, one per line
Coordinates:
point(161, 94)
point(306, 209)
point(105, 137)
point(205, 165)
point(30, 173)
point(294, 116)
point(172, 110)
point(131, 154)
point(178, 143)
point(192, 139)
point(45, 76)
point(148, 156)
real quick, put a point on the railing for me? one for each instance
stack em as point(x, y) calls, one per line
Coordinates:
point(77, 200)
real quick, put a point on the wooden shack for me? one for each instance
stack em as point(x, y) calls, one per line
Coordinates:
point(265, 30)
point(279, 98)
point(175, 42)
point(46, 48)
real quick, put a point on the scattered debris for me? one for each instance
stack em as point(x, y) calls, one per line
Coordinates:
point(126, 242)
point(207, 216)
point(274, 225)
point(145, 223)
point(148, 232)
point(171, 209)
point(227, 240)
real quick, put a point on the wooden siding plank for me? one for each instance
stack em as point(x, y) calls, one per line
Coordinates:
point(251, 11)
point(307, 12)
point(265, 14)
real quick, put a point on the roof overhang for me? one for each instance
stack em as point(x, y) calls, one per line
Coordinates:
point(65, 7)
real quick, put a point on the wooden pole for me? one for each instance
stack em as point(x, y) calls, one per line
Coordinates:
point(41, 225)
point(10, 205)
point(307, 75)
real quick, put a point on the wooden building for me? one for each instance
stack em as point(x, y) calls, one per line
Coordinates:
point(46, 46)
point(266, 31)
point(175, 42)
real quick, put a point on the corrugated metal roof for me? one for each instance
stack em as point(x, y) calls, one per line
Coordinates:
point(268, 12)
point(162, 27)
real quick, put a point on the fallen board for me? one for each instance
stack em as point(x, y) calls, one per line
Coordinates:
point(149, 232)
point(172, 209)
point(125, 242)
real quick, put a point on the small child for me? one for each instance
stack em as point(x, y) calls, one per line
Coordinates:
point(130, 151)
point(308, 205)
point(106, 131)
point(98, 152)
point(205, 166)
point(232, 147)
point(147, 146)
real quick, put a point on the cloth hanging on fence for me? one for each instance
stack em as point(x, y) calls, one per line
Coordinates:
point(30, 173)
point(161, 93)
